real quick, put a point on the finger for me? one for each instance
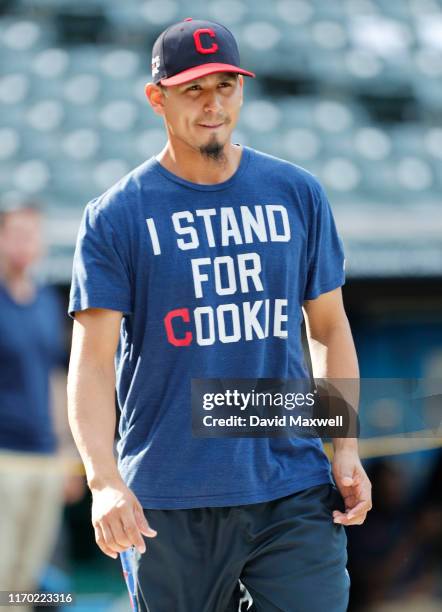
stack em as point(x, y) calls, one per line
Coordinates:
point(109, 538)
point(360, 489)
point(353, 482)
point(346, 516)
point(143, 525)
point(120, 536)
point(348, 501)
point(347, 480)
point(101, 543)
point(349, 519)
point(133, 533)
point(363, 506)
point(357, 478)
point(338, 513)
point(351, 500)
point(357, 520)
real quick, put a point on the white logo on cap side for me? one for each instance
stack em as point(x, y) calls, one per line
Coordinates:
point(155, 65)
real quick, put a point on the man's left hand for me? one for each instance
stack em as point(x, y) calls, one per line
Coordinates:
point(354, 486)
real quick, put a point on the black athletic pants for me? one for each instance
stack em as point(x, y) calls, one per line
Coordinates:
point(288, 554)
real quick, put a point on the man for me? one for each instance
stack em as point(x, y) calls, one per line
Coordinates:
point(32, 486)
point(197, 264)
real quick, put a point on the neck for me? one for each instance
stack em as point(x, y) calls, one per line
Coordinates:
point(197, 167)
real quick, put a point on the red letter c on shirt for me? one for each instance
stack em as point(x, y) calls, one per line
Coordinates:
point(198, 44)
point(184, 314)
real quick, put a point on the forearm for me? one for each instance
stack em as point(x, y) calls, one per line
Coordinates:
point(92, 418)
point(334, 358)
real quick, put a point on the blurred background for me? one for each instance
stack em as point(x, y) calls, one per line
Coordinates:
point(349, 89)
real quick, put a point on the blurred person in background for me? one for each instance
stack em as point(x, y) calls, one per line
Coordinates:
point(33, 488)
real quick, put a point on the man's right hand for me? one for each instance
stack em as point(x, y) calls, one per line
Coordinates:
point(118, 519)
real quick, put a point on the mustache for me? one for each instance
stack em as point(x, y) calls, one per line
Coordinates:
point(214, 121)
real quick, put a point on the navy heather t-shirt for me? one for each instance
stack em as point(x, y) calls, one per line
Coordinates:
point(211, 280)
point(31, 345)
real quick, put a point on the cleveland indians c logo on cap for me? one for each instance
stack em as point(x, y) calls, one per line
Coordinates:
point(197, 38)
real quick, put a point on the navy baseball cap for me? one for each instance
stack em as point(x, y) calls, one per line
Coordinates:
point(192, 49)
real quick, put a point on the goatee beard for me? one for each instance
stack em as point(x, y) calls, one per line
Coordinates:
point(214, 151)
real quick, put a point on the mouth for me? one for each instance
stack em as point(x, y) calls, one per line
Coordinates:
point(210, 127)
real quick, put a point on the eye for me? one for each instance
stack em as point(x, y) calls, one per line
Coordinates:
point(193, 88)
point(226, 83)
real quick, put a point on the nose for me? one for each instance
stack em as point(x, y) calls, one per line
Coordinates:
point(212, 102)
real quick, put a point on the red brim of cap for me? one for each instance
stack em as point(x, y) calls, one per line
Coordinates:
point(200, 71)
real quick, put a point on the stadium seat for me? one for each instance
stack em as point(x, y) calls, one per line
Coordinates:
point(50, 63)
point(119, 115)
point(260, 116)
point(10, 143)
point(81, 89)
point(21, 35)
point(45, 115)
point(82, 144)
point(14, 88)
point(341, 174)
point(109, 171)
point(31, 176)
point(301, 144)
point(230, 12)
point(148, 143)
point(433, 142)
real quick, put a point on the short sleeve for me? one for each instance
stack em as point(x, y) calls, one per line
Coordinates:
point(325, 257)
point(100, 273)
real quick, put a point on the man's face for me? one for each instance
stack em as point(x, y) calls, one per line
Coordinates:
point(21, 243)
point(203, 113)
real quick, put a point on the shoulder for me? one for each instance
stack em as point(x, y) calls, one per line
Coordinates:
point(117, 202)
point(287, 172)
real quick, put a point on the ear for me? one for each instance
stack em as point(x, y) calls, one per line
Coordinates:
point(241, 85)
point(155, 98)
